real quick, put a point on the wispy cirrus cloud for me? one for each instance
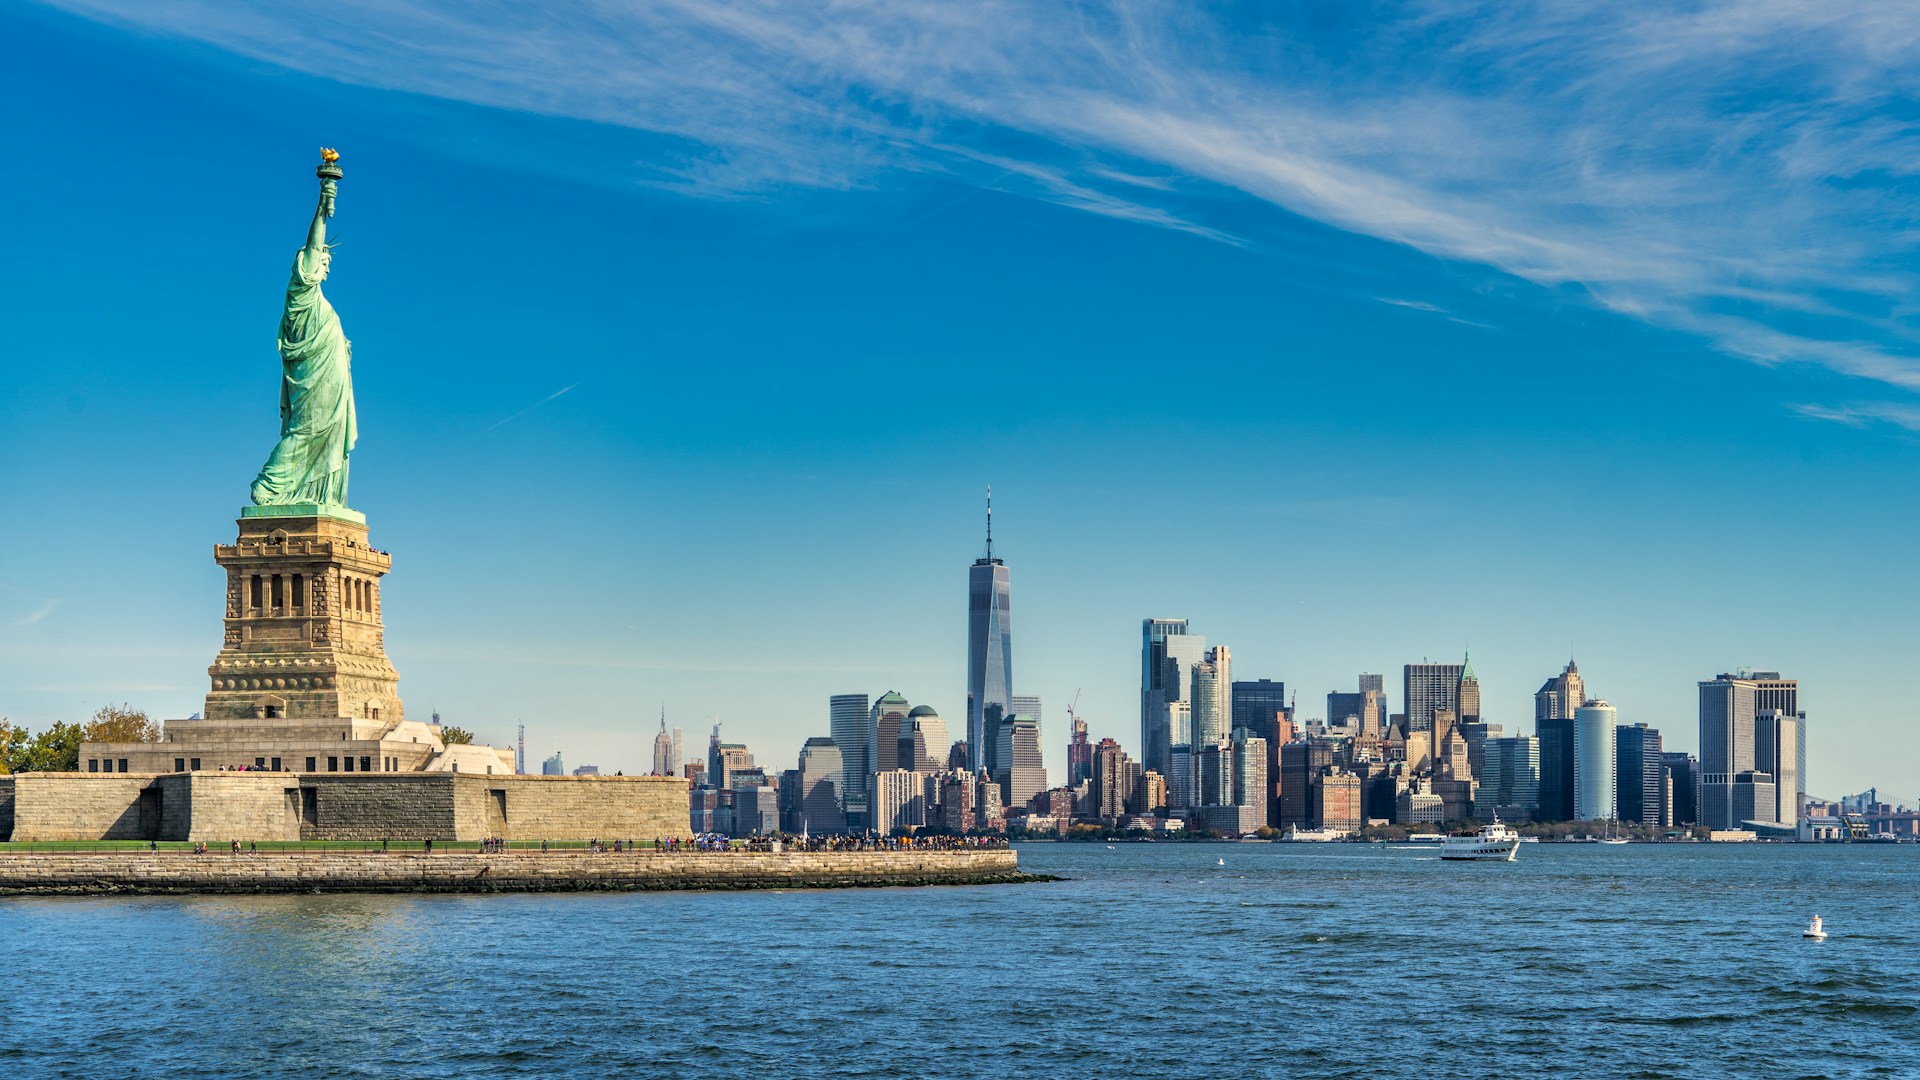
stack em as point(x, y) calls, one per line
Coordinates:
point(1742, 170)
point(33, 618)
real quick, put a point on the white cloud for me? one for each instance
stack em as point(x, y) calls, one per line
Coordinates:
point(33, 617)
point(1738, 169)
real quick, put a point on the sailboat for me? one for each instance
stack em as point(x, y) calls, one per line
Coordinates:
point(1610, 838)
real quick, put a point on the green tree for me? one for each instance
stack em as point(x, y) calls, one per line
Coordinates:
point(455, 736)
point(12, 738)
point(56, 749)
point(124, 724)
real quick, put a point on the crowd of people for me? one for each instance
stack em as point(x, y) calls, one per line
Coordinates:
point(718, 842)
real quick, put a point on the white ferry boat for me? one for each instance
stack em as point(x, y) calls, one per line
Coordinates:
point(1495, 842)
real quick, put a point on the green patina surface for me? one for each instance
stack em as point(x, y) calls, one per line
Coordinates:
point(308, 465)
point(304, 510)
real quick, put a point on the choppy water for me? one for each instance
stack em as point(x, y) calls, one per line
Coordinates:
point(1309, 960)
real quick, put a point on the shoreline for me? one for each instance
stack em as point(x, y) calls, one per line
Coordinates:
point(120, 873)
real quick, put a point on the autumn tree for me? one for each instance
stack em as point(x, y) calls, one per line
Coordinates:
point(124, 724)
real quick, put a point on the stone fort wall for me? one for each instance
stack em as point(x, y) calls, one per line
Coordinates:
point(78, 806)
point(222, 806)
point(519, 871)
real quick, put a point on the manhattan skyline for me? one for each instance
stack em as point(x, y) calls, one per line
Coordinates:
point(730, 444)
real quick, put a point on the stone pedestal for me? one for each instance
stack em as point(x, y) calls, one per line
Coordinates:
point(303, 634)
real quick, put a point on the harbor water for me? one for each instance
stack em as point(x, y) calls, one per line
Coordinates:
point(1150, 960)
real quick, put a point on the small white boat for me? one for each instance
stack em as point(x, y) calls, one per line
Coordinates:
point(1426, 838)
point(1220, 862)
point(1814, 931)
point(1493, 843)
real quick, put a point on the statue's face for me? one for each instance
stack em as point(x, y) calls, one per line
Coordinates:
point(326, 264)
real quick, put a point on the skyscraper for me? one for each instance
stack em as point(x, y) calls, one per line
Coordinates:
point(1429, 688)
point(1553, 708)
point(885, 719)
point(1366, 707)
point(1021, 775)
point(989, 645)
point(1302, 763)
point(1112, 780)
point(1212, 688)
point(850, 724)
point(1778, 741)
point(1167, 656)
point(1250, 788)
point(663, 764)
point(553, 766)
point(1593, 772)
point(1468, 694)
point(1752, 739)
point(820, 805)
point(1683, 787)
point(1079, 751)
point(1258, 706)
point(1511, 784)
point(923, 740)
point(1377, 684)
point(898, 801)
point(1640, 793)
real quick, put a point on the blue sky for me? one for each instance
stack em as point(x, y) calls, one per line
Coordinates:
point(1355, 334)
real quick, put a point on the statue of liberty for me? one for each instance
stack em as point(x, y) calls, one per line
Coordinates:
point(317, 428)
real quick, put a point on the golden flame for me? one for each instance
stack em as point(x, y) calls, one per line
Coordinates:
point(329, 155)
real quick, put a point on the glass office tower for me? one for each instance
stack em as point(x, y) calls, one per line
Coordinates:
point(1593, 749)
point(989, 649)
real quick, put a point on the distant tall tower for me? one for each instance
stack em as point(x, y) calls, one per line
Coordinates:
point(1594, 745)
point(1167, 655)
point(1429, 688)
point(852, 730)
point(1079, 750)
point(1752, 750)
point(1378, 684)
point(1212, 690)
point(520, 752)
point(989, 647)
point(1469, 693)
point(663, 747)
point(1553, 708)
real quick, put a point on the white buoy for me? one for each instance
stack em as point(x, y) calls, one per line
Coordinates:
point(1814, 931)
point(1220, 862)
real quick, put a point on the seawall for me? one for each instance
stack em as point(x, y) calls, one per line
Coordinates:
point(95, 873)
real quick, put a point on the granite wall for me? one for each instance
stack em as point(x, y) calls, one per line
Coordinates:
point(519, 871)
point(222, 806)
point(83, 806)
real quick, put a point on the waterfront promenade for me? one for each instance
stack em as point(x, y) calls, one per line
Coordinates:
point(97, 872)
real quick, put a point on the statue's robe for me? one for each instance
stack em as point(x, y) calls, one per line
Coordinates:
point(317, 426)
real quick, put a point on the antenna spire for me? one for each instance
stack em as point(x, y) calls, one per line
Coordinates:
point(989, 522)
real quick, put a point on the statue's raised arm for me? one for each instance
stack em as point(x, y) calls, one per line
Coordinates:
point(329, 174)
point(308, 465)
